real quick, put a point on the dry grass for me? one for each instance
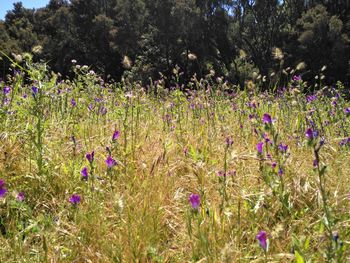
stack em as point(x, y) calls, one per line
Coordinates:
point(139, 212)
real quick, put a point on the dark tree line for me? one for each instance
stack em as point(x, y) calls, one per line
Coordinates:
point(238, 39)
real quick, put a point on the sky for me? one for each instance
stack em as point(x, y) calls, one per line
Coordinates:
point(6, 5)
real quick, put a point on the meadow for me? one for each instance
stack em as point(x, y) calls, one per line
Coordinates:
point(204, 172)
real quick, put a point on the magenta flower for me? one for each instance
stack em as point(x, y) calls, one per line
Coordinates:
point(110, 162)
point(20, 197)
point(195, 200)
point(296, 77)
point(259, 147)
point(3, 190)
point(84, 173)
point(262, 238)
point(90, 156)
point(267, 119)
point(115, 136)
point(75, 199)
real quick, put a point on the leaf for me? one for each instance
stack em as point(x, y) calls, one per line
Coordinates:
point(298, 257)
point(307, 243)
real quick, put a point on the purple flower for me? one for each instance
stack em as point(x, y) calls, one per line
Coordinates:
point(311, 98)
point(73, 102)
point(309, 133)
point(221, 174)
point(259, 147)
point(195, 200)
point(7, 90)
point(273, 165)
point(185, 150)
point(91, 107)
point(103, 111)
point(280, 171)
point(2, 183)
point(315, 163)
point(75, 199)
point(266, 137)
point(116, 135)
point(267, 119)
point(110, 162)
point(229, 141)
point(262, 238)
point(335, 236)
point(84, 173)
point(296, 77)
point(90, 156)
point(34, 90)
point(344, 142)
point(20, 197)
point(3, 190)
point(283, 147)
point(347, 111)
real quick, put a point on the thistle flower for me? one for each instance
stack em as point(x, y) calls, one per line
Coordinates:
point(262, 238)
point(110, 162)
point(84, 173)
point(75, 199)
point(20, 197)
point(115, 136)
point(277, 53)
point(301, 66)
point(195, 200)
point(127, 63)
point(90, 156)
point(259, 147)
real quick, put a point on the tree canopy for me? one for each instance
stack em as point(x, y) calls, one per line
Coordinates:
point(238, 39)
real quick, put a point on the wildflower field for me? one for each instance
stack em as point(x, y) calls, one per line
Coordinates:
point(203, 172)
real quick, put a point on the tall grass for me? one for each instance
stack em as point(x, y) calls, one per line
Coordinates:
point(176, 176)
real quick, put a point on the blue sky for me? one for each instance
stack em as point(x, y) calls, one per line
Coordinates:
point(6, 5)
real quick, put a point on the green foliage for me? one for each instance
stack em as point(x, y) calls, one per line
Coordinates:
point(158, 35)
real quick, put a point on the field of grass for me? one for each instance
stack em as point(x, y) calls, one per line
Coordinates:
point(105, 172)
